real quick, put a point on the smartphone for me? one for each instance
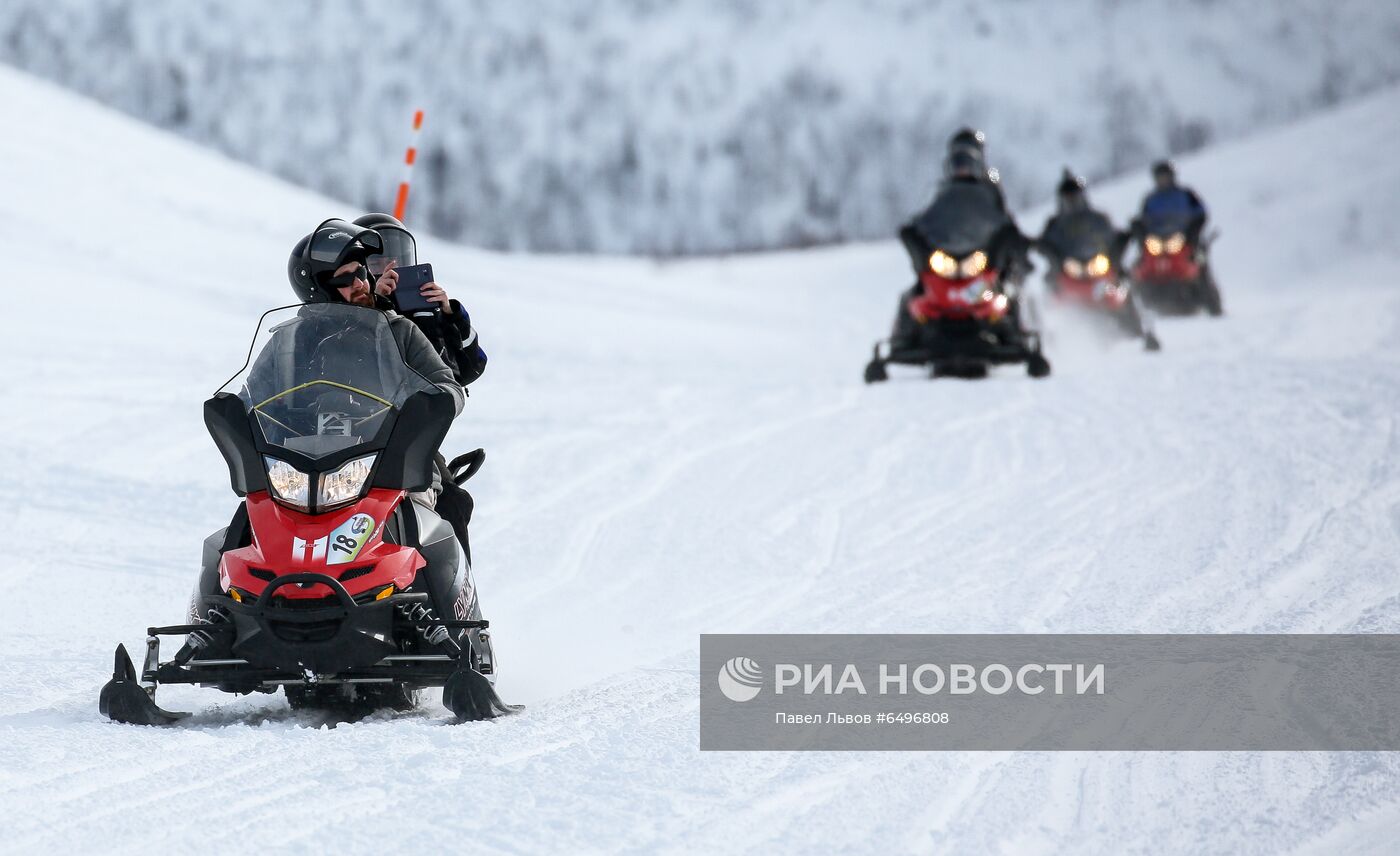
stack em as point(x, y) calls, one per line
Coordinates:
point(406, 295)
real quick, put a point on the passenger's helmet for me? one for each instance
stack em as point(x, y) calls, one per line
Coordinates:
point(1070, 195)
point(399, 244)
point(316, 257)
point(1163, 170)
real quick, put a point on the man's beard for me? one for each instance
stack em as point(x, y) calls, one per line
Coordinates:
point(362, 297)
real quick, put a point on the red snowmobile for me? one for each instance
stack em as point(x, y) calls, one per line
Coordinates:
point(1085, 253)
point(1171, 273)
point(960, 318)
point(329, 582)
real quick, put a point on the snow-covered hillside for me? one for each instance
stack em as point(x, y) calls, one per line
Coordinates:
point(676, 126)
point(687, 448)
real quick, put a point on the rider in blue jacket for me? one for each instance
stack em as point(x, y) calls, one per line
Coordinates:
point(1169, 200)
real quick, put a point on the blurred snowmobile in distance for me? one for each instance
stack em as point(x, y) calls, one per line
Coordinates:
point(1173, 271)
point(1085, 253)
point(1172, 274)
point(962, 316)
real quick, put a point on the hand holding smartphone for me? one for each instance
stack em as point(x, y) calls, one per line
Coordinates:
point(407, 293)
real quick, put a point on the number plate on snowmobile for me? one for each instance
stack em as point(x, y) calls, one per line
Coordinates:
point(347, 540)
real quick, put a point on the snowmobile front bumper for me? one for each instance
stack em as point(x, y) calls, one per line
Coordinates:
point(960, 348)
point(325, 636)
point(1175, 296)
point(334, 640)
point(953, 340)
point(274, 645)
point(951, 354)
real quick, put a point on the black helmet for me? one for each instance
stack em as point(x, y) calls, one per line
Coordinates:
point(964, 164)
point(1070, 194)
point(399, 245)
point(316, 257)
point(968, 138)
point(1163, 169)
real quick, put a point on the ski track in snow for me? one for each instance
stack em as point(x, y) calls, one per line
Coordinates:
point(686, 448)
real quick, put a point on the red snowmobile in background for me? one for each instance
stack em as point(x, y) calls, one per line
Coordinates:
point(962, 317)
point(1171, 273)
point(1085, 254)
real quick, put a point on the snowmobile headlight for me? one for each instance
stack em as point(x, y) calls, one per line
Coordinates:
point(1176, 243)
point(346, 483)
point(1153, 245)
point(974, 264)
point(1098, 265)
point(943, 264)
point(1074, 268)
point(288, 483)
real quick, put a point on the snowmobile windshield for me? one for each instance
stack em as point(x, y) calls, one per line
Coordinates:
point(1082, 235)
point(962, 219)
point(325, 377)
point(1167, 223)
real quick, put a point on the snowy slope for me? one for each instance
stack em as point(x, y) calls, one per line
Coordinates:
point(683, 126)
point(677, 449)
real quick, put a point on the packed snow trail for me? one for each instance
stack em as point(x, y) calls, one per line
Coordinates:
point(686, 448)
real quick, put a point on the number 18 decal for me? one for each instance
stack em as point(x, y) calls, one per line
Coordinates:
point(349, 539)
point(343, 544)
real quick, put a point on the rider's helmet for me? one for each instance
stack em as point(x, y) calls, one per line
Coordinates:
point(1071, 195)
point(964, 165)
point(967, 138)
point(399, 245)
point(316, 257)
point(1163, 173)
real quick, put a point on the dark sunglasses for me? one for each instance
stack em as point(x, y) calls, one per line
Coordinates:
point(346, 280)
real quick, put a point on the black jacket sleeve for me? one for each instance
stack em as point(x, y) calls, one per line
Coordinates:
point(915, 246)
point(1010, 252)
point(1048, 244)
point(455, 341)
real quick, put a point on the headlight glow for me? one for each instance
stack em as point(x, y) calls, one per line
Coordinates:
point(346, 483)
point(1153, 245)
point(1176, 243)
point(943, 264)
point(288, 483)
point(1098, 265)
point(1074, 268)
point(974, 264)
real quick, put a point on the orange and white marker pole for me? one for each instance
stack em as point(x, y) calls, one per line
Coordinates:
point(409, 157)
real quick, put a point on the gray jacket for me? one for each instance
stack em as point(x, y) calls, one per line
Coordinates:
point(420, 355)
